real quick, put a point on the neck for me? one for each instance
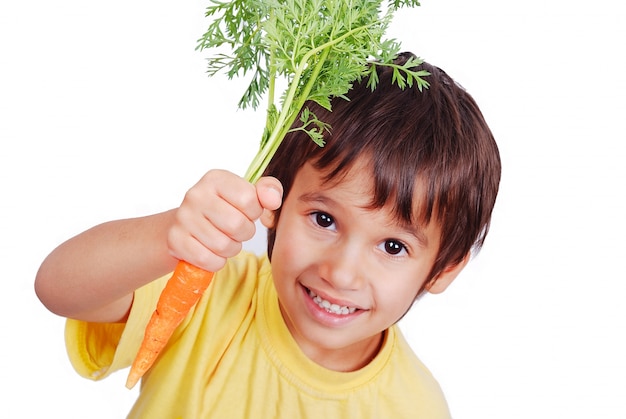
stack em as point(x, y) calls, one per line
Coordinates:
point(348, 359)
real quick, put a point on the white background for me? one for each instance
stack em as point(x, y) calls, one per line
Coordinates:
point(105, 112)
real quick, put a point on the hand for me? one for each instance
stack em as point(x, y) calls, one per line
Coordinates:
point(217, 215)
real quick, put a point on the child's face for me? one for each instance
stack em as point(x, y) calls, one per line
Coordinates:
point(359, 262)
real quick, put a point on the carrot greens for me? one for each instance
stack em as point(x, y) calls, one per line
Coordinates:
point(318, 48)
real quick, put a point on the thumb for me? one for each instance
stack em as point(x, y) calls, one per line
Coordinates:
point(270, 192)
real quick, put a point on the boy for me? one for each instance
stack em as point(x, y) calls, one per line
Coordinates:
point(391, 207)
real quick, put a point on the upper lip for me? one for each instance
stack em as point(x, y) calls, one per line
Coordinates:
point(340, 302)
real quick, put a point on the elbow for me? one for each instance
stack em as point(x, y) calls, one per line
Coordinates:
point(45, 290)
point(61, 298)
point(52, 290)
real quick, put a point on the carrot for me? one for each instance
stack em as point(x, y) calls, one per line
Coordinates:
point(182, 291)
point(319, 48)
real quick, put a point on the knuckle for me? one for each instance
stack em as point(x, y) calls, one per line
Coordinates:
point(193, 195)
point(219, 245)
point(236, 225)
point(226, 247)
point(249, 202)
point(210, 261)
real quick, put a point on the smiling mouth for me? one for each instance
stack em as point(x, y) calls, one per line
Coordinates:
point(330, 307)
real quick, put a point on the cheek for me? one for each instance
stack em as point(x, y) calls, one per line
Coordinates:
point(397, 302)
point(289, 251)
point(395, 295)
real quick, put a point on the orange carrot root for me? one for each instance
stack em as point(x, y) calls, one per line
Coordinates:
point(181, 292)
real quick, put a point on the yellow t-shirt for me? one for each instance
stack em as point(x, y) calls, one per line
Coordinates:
point(233, 357)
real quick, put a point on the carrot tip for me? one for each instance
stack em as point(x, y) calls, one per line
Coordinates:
point(132, 380)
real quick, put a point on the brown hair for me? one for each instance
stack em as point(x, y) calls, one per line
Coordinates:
point(436, 136)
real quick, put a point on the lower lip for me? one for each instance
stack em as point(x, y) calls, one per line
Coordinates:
point(324, 317)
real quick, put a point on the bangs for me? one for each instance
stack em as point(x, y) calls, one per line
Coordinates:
point(400, 156)
point(388, 167)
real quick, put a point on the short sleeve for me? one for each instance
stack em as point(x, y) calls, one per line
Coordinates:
point(98, 349)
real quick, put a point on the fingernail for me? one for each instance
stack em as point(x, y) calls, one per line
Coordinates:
point(279, 195)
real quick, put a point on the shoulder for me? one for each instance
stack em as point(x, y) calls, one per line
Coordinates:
point(245, 264)
point(235, 286)
point(241, 273)
point(414, 385)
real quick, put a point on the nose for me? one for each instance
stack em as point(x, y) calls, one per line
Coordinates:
point(344, 267)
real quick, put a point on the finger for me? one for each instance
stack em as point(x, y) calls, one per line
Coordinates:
point(198, 255)
point(242, 195)
point(225, 219)
point(269, 192)
point(207, 247)
point(225, 201)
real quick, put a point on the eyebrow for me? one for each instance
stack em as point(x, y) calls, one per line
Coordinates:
point(416, 232)
point(411, 229)
point(315, 197)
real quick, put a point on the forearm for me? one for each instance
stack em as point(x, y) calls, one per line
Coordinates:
point(93, 275)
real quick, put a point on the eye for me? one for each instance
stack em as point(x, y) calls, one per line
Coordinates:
point(393, 247)
point(322, 219)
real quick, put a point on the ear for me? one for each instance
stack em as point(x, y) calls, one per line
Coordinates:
point(445, 278)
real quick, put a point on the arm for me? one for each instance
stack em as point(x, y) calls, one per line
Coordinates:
point(93, 275)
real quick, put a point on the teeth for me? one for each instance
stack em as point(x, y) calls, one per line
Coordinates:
point(330, 307)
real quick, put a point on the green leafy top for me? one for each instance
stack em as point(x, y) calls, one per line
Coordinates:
point(319, 47)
